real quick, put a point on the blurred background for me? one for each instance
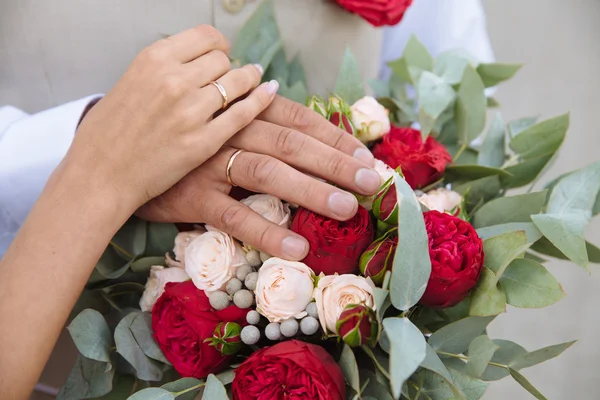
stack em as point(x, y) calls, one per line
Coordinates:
point(557, 41)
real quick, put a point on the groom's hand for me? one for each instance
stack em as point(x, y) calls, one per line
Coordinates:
point(286, 139)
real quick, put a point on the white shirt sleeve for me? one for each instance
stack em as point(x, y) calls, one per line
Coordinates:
point(441, 25)
point(31, 146)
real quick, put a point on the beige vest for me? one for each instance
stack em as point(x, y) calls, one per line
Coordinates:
point(53, 51)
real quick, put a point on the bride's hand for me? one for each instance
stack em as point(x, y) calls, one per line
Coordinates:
point(294, 137)
point(156, 125)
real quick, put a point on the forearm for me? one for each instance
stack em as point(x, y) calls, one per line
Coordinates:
point(45, 270)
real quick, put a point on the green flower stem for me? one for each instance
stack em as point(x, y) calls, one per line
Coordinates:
point(419, 391)
point(443, 353)
point(184, 391)
point(120, 249)
point(380, 367)
point(461, 150)
point(110, 301)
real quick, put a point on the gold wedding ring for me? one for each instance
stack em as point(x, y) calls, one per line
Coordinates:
point(230, 164)
point(223, 93)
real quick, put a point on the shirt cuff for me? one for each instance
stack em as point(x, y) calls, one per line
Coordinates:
point(31, 146)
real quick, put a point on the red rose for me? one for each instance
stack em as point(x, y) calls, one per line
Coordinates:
point(182, 320)
point(335, 246)
point(379, 257)
point(456, 254)
point(377, 12)
point(421, 163)
point(358, 325)
point(289, 370)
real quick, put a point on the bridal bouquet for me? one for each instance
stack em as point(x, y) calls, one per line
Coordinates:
point(392, 304)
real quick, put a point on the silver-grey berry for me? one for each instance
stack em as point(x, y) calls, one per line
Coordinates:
point(250, 334)
point(219, 300)
point(253, 317)
point(272, 331)
point(253, 258)
point(233, 286)
point(251, 280)
point(309, 326)
point(264, 256)
point(243, 271)
point(311, 309)
point(243, 298)
point(289, 327)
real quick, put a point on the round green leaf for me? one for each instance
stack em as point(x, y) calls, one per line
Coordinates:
point(91, 335)
point(152, 394)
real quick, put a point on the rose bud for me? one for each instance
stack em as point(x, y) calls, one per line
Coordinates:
point(422, 162)
point(370, 119)
point(385, 205)
point(318, 104)
point(456, 254)
point(226, 338)
point(335, 246)
point(358, 325)
point(340, 114)
point(379, 257)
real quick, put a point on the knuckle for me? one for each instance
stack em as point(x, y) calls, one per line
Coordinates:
point(221, 61)
point(208, 33)
point(289, 142)
point(335, 165)
point(262, 170)
point(299, 115)
point(155, 53)
point(337, 138)
point(172, 86)
point(232, 216)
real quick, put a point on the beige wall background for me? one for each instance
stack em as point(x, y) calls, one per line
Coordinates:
point(558, 41)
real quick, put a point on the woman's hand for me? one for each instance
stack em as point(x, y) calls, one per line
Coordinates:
point(275, 152)
point(156, 124)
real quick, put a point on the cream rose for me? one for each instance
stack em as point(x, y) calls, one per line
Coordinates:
point(385, 172)
point(370, 119)
point(270, 207)
point(212, 259)
point(155, 286)
point(182, 240)
point(284, 289)
point(442, 200)
point(334, 292)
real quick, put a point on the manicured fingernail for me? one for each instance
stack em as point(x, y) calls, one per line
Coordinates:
point(343, 204)
point(259, 68)
point(367, 180)
point(294, 247)
point(364, 155)
point(272, 86)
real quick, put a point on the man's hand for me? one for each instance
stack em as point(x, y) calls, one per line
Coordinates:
point(286, 139)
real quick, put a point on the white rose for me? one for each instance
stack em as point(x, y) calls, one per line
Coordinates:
point(370, 119)
point(334, 292)
point(212, 259)
point(442, 200)
point(284, 289)
point(270, 207)
point(155, 286)
point(182, 240)
point(385, 172)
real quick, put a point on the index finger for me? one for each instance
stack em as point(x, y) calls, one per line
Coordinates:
point(294, 115)
point(195, 42)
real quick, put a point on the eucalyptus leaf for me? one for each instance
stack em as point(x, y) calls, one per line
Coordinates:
point(506, 352)
point(521, 380)
point(297, 92)
point(296, 71)
point(111, 265)
point(407, 352)
point(184, 384)
point(517, 126)
point(488, 298)
point(469, 172)
point(349, 368)
point(415, 59)
point(470, 107)
point(382, 301)
point(479, 190)
point(492, 153)
point(434, 97)
point(130, 240)
point(152, 393)
point(160, 238)
point(87, 379)
point(532, 233)
point(349, 83)
point(214, 389)
point(141, 328)
point(91, 335)
point(544, 246)
point(456, 337)
point(146, 368)
point(503, 210)
point(541, 139)
point(528, 284)
point(412, 266)
point(142, 265)
point(380, 88)
point(492, 102)
point(450, 66)
point(433, 363)
point(502, 249)
point(539, 356)
point(376, 386)
point(494, 73)
point(481, 351)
